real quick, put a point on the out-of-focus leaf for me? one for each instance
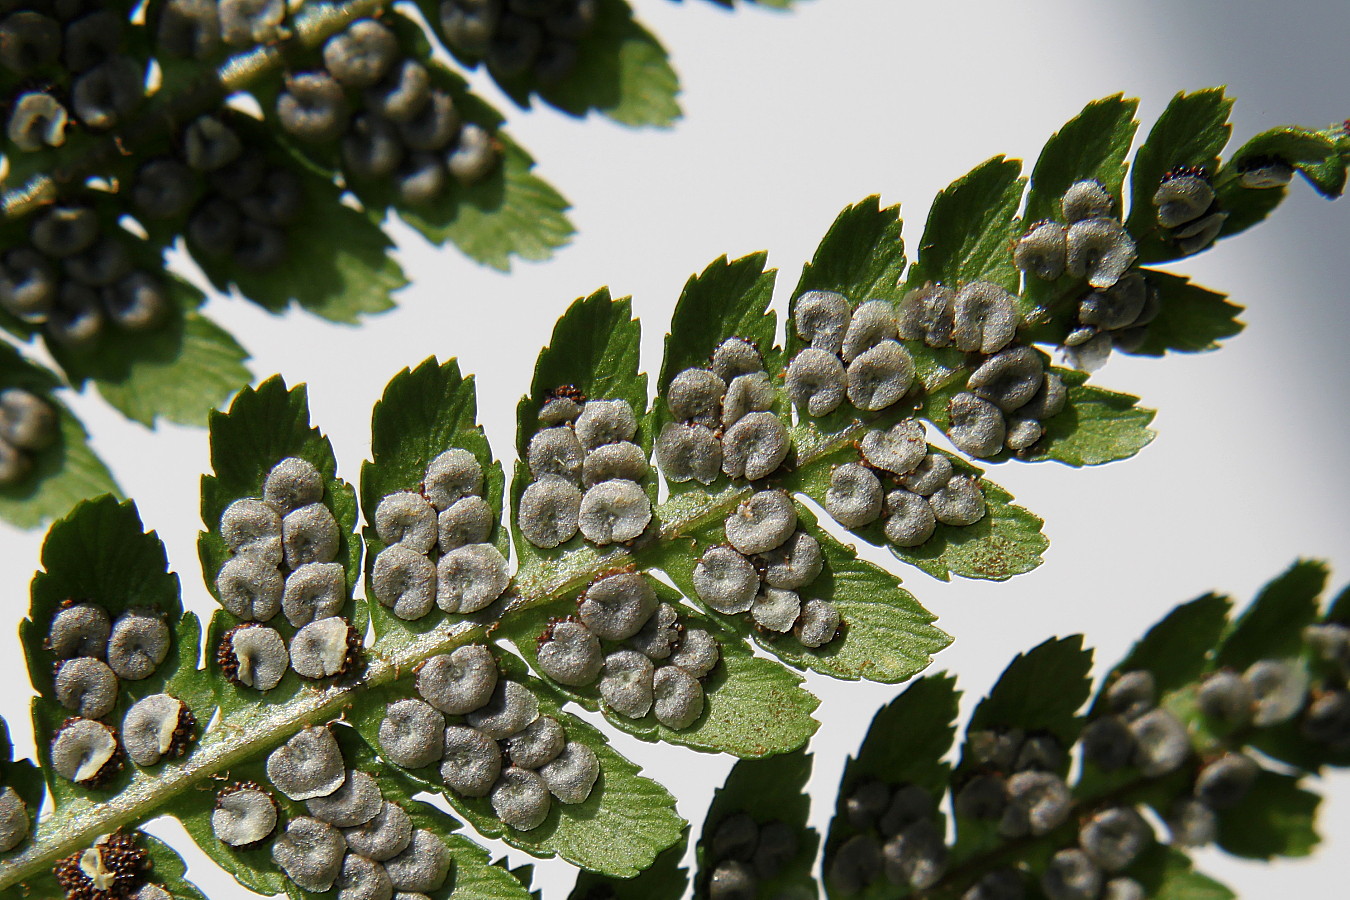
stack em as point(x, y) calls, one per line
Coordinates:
point(1041, 690)
point(1166, 874)
point(338, 266)
point(63, 474)
point(178, 370)
point(769, 790)
point(1272, 627)
point(1176, 649)
point(1276, 818)
point(622, 72)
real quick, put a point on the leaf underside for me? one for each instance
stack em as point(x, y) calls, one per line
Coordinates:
point(756, 705)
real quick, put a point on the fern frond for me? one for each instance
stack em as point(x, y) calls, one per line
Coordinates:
point(682, 600)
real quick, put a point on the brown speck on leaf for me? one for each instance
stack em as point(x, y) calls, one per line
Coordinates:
point(567, 392)
point(183, 735)
point(1185, 171)
point(237, 786)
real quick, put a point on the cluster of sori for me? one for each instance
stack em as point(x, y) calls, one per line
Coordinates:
point(920, 490)
point(1326, 717)
point(352, 838)
point(1188, 211)
point(1012, 780)
point(197, 29)
point(28, 425)
point(391, 120)
point(1109, 841)
point(856, 353)
point(284, 548)
point(1263, 172)
point(585, 444)
point(1009, 394)
point(75, 275)
point(112, 868)
point(237, 205)
point(94, 654)
point(519, 37)
point(1134, 731)
point(1115, 317)
point(1009, 779)
point(436, 543)
point(762, 569)
point(899, 837)
point(723, 420)
point(1006, 402)
point(1270, 692)
point(641, 654)
point(487, 736)
point(44, 44)
point(15, 819)
point(743, 853)
point(1092, 244)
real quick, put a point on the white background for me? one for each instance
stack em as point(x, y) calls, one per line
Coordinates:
point(790, 117)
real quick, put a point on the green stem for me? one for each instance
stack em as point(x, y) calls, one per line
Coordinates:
point(958, 879)
point(1130, 793)
point(540, 582)
point(225, 745)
